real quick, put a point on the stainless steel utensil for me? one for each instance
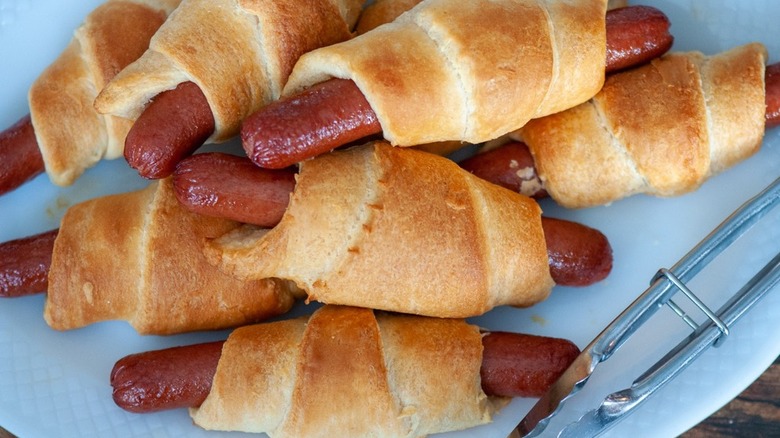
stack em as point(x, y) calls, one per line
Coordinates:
point(664, 285)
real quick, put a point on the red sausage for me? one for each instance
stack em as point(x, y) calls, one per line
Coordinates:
point(772, 95)
point(578, 255)
point(172, 378)
point(636, 35)
point(240, 185)
point(319, 119)
point(307, 124)
point(24, 264)
point(171, 127)
point(511, 166)
point(20, 157)
point(513, 365)
point(521, 365)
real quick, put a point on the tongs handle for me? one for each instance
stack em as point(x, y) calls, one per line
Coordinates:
point(663, 287)
point(619, 404)
point(667, 282)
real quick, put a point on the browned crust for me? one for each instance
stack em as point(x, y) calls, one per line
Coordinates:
point(71, 135)
point(138, 257)
point(239, 52)
point(661, 129)
point(487, 67)
point(349, 372)
point(362, 224)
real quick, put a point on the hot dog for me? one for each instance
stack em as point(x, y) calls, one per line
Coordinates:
point(635, 35)
point(208, 184)
point(305, 125)
point(136, 257)
point(510, 165)
point(578, 255)
point(24, 264)
point(170, 129)
point(231, 187)
point(239, 55)
point(63, 135)
point(321, 118)
point(160, 137)
point(21, 159)
point(513, 365)
point(342, 371)
point(522, 365)
point(172, 378)
point(513, 165)
point(772, 95)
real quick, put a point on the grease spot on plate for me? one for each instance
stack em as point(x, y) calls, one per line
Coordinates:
point(61, 204)
point(539, 320)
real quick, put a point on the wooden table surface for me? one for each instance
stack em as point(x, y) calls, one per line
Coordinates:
point(755, 413)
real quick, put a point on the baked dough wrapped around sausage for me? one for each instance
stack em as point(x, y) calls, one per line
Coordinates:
point(398, 229)
point(486, 66)
point(239, 52)
point(137, 257)
point(660, 129)
point(380, 12)
point(349, 372)
point(71, 135)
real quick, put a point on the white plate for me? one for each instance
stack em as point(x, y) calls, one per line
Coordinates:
point(56, 384)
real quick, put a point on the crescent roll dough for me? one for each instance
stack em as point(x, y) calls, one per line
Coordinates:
point(402, 230)
point(348, 372)
point(71, 135)
point(469, 71)
point(137, 257)
point(380, 12)
point(239, 52)
point(661, 129)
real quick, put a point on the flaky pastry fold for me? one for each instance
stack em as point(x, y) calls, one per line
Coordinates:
point(469, 71)
point(239, 52)
point(349, 372)
point(71, 134)
point(661, 129)
point(138, 257)
point(398, 229)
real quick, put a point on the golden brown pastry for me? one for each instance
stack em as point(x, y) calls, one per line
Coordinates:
point(71, 135)
point(486, 66)
point(346, 372)
point(239, 52)
point(137, 257)
point(402, 230)
point(384, 11)
point(661, 129)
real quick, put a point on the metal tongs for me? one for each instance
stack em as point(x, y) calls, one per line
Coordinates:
point(665, 284)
